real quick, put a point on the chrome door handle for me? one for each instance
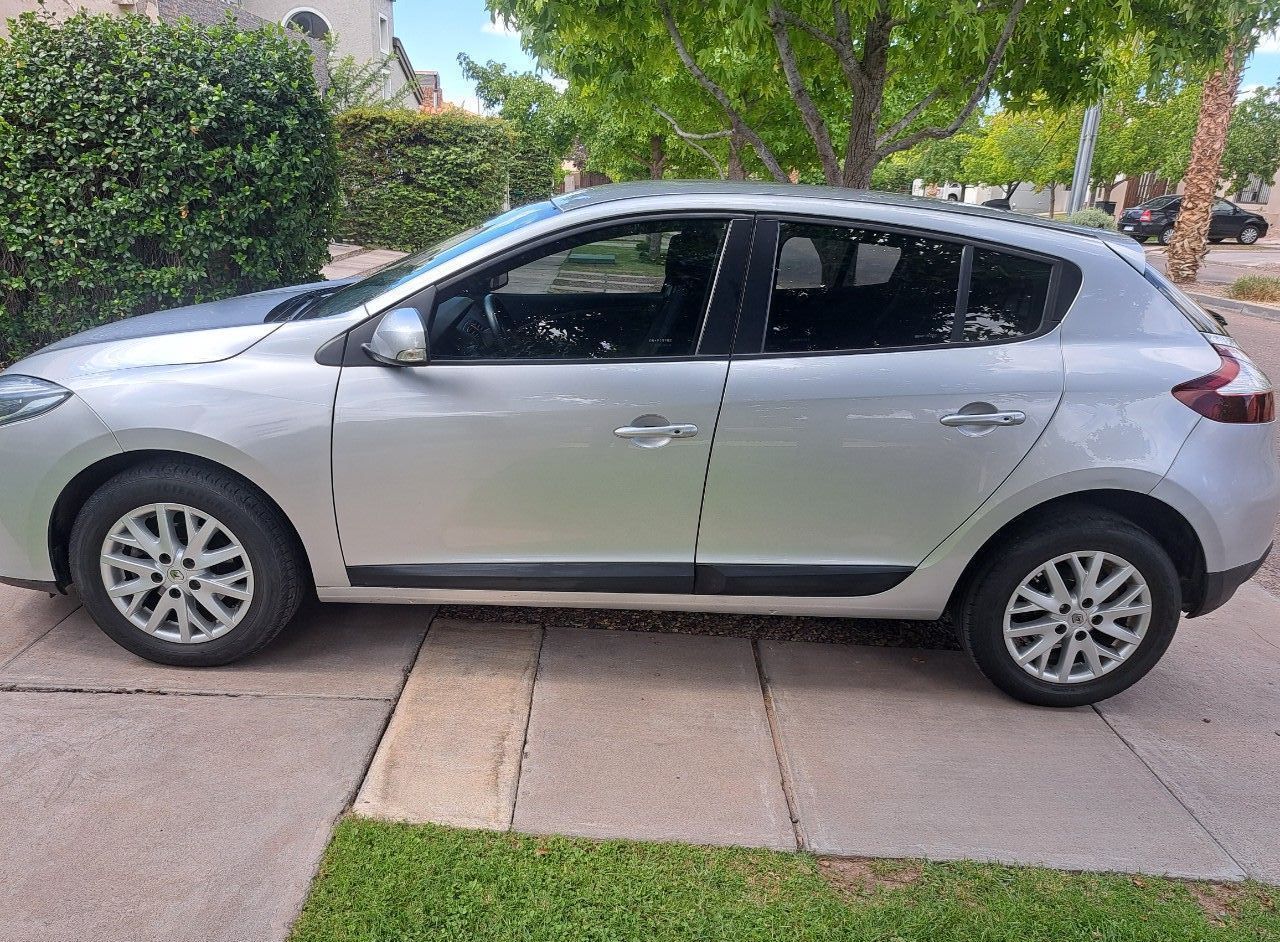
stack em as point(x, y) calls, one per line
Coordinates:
point(983, 418)
point(656, 431)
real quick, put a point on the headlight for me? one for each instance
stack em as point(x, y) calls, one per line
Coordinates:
point(22, 397)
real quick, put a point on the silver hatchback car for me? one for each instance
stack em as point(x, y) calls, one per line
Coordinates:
point(721, 397)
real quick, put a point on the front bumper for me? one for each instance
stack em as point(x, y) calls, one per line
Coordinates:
point(1220, 586)
point(38, 458)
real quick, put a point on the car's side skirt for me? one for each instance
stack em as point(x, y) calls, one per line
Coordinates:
point(891, 604)
point(745, 579)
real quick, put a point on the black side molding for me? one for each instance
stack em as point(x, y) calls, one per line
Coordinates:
point(801, 581)
point(1218, 587)
point(639, 578)
point(659, 578)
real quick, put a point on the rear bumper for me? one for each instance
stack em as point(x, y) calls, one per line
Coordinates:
point(1220, 586)
point(1141, 229)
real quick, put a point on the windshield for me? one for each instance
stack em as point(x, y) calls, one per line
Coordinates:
point(397, 273)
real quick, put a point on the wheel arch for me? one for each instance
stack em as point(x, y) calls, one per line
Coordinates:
point(1164, 522)
point(81, 487)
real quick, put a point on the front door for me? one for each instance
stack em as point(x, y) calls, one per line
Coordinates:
point(558, 437)
point(864, 419)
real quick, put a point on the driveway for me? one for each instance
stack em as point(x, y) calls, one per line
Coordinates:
point(1228, 261)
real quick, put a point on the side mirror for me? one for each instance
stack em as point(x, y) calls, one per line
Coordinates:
point(399, 340)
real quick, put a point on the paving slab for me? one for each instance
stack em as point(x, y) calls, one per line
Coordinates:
point(328, 651)
point(910, 753)
point(25, 616)
point(651, 736)
point(141, 817)
point(359, 263)
point(451, 754)
point(1207, 720)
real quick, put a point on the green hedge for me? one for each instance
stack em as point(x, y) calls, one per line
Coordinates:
point(411, 179)
point(533, 171)
point(145, 165)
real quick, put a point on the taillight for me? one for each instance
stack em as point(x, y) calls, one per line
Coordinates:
point(1146, 216)
point(1237, 391)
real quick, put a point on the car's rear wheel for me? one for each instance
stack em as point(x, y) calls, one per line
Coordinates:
point(1249, 235)
point(1166, 235)
point(1215, 239)
point(185, 565)
point(1073, 611)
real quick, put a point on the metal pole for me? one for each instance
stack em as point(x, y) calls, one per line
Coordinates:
point(1084, 157)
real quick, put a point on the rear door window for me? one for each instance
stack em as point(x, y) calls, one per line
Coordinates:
point(840, 288)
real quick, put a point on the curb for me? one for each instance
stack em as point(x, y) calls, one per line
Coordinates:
point(1231, 306)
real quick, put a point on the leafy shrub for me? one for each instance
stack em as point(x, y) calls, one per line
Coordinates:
point(533, 170)
point(146, 165)
point(410, 179)
point(1092, 217)
point(1254, 288)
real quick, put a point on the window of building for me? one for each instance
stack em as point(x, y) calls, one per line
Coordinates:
point(1256, 190)
point(840, 288)
point(309, 22)
point(384, 33)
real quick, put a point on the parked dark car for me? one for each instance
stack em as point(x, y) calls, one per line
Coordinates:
point(1156, 217)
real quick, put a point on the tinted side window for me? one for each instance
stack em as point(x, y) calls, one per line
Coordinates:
point(635, 290)
point(1007, 294)
point(839, 288)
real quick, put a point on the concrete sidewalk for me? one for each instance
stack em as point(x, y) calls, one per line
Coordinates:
point(844, 749)
point(142, 802)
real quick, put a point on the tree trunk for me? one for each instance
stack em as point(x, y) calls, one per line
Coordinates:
point(736, 170)
point(1052, 186)
point(1200, 185)
point(657, 157)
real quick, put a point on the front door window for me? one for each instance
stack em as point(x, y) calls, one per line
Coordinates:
point(638, 290)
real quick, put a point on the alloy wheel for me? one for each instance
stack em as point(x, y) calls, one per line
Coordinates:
point(1248, 235)
point(177, 573)
point(1077, 617)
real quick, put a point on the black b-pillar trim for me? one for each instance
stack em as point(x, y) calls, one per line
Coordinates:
point(638, 578)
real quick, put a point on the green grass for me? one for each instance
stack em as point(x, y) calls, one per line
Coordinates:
point(396, 883)
point(1255, 288)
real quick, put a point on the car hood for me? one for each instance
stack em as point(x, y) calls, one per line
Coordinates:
point(197, 333)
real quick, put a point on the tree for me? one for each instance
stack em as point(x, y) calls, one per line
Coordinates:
point(353, 85)
point(1244, 19)
point(1018, 147)
point(545, 122)
point(841, 85)
point(1253, 143)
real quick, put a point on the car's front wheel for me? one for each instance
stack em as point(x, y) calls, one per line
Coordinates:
point(1073, 611)
point(185, 565)
point(1249, 235)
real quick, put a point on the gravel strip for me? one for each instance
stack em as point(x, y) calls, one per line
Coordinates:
point(879, 632)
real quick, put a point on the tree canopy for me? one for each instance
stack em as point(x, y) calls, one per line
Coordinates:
point(837, 86)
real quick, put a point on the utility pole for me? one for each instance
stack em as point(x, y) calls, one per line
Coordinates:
point(1084, 157)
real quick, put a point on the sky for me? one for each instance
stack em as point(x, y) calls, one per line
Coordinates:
point(435, 31)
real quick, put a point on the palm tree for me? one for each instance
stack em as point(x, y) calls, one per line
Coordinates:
point(1200, 185)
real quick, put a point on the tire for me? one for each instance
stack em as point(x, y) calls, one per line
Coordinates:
point(1141, 239)
point(263, 561)
point(1215, 241)
point(953, 198)
point(997, 589)
point(1166, 235)
point(1249, 235)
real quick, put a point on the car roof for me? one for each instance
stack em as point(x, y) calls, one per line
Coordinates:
point(613, 192)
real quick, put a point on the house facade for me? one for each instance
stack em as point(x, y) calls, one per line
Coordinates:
point(362, 29)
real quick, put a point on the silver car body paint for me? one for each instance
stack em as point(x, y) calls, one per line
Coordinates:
point(830, 459)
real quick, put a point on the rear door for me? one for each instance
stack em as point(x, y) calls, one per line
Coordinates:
point(1225, 221)
point(883, 384)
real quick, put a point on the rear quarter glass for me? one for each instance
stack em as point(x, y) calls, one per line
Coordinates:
point(1201, 319)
